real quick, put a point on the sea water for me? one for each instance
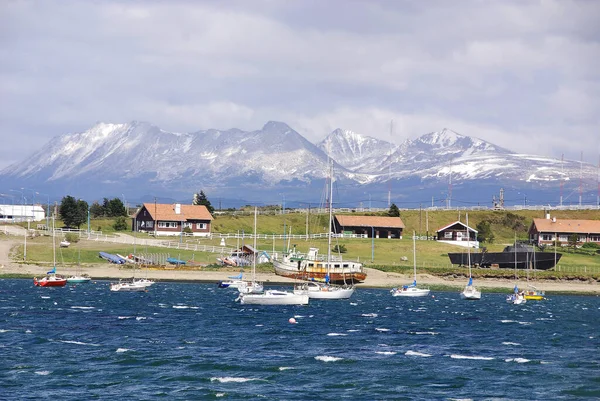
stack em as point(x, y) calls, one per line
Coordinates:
point(193, 341)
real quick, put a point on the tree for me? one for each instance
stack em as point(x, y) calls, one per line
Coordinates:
point(120, 223)
point(116, 208)
point(73, 212)
point(394, 211)
point(200, 199)
point(573, 241)
point(484, 233)
point(96, 210)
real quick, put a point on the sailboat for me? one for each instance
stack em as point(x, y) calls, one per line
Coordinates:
point(411, 290)
point(516, 297)
point(248, 287)
point(52, 279)
point(268, 297)
point(327, 290)
point(470, 292)
point(532, 293)
point(78, 277)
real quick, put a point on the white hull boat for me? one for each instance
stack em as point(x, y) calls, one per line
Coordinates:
point(274, 297)
point(127, 287)
point(471, 293)
point(325, 291)
point(410, 292)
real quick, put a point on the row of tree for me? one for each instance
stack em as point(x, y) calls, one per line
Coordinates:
point(74, 212)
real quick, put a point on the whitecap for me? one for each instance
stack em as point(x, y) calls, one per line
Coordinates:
point(299, 316)
point(119, 350)
point(475, 357)
point(125, 317)
point(507, 321)
point(386, 352)
point(78, 343)
point(219, 395)
point(336, 334)
point(140, 318)
point(431, 333)
point(5, 330)
point(180, 307)
point(326, 358)
point(525, 323)
point(353, 330)
point(353, 303)
point(43, 297)
point(415, 353)
point(517, 360)
point(83, 307)
point(258, 325)
point(28, 331)
point(286, 368)
point(231, 379)
point(369, 315)
point(42, 372)
point(510, 343)
point(381, 329)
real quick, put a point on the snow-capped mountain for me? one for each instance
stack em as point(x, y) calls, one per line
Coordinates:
point(139, 158)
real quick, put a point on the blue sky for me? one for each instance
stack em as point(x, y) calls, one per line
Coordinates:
point(523, 75)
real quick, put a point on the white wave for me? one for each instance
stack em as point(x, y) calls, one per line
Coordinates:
point(78, 343)
point(140, 318)
point(381, 329)
point(460, 399)
point(219, 395)
point(42, 372)
point(510, 343)
point(180, 307)
point(83, 307)
point(353, 330)
point(299, 316)
point(507, 321)
point(125, 317)
point(43, 297)
point(369, 315)
point(545, 318)
point(475, 357)
point(189, 342)
point(119, 350)
point(545, 363)
point(386, 352)
point(336, 334)
point(5, 330)
point(326, 358)
point(258, 325)
point(231, 379)
point(431, 333)
point(286, 368)
point(525, 323)
point(28, 331)
point(517, 360)
point(415, 353)
point(353, 303)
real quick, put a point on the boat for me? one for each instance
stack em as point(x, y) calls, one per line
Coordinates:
point(175, 261)
point(505, 259)
point(144, 282)
point(78, 277)
point(234, 281)
point(517, 297)
point(314, 267)
point(52, 279)
point(326, 290)
point(470, 292)
point(411, 290)
point(274, 297)
point(127, 286)
point(534, 294)
point(111, 258)
point(252, 287)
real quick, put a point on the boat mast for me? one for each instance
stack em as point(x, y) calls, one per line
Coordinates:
point(255, 250)
point(330, 220)
point(468, 245)
point(415, 256)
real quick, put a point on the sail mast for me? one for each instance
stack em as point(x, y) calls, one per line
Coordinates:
point(468, 246)
point(255, 250)
point(330, 219)
point(415, 256)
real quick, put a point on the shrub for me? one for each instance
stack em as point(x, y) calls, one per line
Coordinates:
point(339, 249)
point(72, 238)
point(187, 230)
point(120, 223)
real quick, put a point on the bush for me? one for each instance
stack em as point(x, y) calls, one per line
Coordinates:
point(339, 249)
point(120, 224)
point(72, 238)
point(187, 230)
point(591, 245)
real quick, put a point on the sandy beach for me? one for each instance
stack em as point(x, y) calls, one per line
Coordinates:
point(375, 278)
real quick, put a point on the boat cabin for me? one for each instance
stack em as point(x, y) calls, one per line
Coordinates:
point(173, 219)
point(368, 226)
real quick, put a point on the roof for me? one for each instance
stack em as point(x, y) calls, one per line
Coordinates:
point(369, 221)
point(567, 226)
point(166, 212)
point(456, 222)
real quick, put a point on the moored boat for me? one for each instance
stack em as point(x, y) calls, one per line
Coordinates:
point(274, 297)
point(51, 280)
point(518, 254)
point(78, 279)
point(127, 286)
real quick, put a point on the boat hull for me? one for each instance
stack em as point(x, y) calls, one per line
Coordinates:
point(78, 280)
point(271, 297)
point(506, 260)
point(319, 274)
point(50, 282)
point(324, 291)
point(410, 292)
point(470, 294)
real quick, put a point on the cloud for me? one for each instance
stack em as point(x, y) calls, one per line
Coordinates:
point(521, 74)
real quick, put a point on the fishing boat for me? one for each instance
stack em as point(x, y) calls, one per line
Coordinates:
point(411, 290)
point(320, 268)
point(51, 279)
point(470, 292)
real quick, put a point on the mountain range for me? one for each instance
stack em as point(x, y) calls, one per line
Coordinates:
point(140, 161)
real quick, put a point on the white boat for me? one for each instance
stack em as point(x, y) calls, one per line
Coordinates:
point(470, 292)
point(127, 286)
point(143, 282)
point(411, 290)
point(274, 297)
point(247, 287)
point(78, 279)
point(326, 290)
point(517, 298)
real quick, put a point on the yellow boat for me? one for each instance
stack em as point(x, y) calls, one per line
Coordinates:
point(534, 294)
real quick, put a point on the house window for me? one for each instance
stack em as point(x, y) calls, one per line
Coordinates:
point(594, 238)
point(187, 225)
point(167, 224)
point(144, 213)
point(200, 226)
point(563, 238)
point(448, 234)
point(149, 224)
point(546, 237)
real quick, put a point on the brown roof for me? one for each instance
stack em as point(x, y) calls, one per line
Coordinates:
point(369, 221)
point(456, 222)
point(567, 226)
point(166, 212)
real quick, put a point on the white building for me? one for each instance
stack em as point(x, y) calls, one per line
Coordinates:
point(17, 213)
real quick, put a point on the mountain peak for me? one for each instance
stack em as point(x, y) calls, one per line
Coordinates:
point(276, 126)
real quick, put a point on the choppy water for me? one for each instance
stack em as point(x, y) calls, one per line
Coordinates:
point(192, 341)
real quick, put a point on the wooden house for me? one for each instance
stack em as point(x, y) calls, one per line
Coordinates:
point(369, 226)
point(172, 219)
point(546, 231)
point(457, 232)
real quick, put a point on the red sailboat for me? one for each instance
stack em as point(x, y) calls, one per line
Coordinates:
point(52, 279)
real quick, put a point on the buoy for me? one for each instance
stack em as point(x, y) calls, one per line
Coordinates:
point(292, 320)
point(433, 296)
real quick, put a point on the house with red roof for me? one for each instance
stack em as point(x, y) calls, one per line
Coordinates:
point(369, 226)
point(546, 231)
point(172, 219)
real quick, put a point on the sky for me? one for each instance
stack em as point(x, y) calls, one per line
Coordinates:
point(524, 75)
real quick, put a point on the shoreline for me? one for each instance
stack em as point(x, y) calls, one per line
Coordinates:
point(375, 278)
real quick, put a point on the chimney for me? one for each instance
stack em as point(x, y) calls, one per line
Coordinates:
point(178, 208)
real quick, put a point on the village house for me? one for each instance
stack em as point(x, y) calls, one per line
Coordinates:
point(369, 226)
point(172, 219)
point(546, 231)
point(458, 233)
